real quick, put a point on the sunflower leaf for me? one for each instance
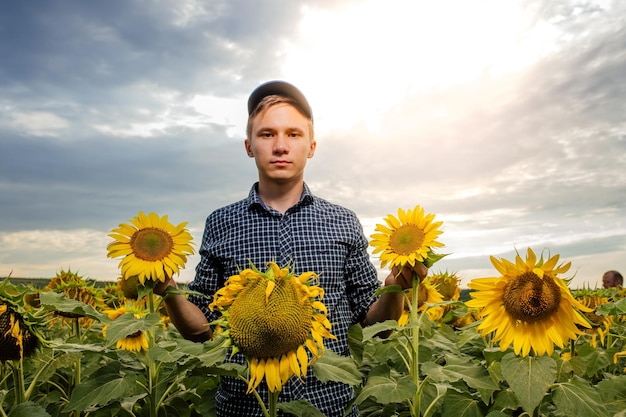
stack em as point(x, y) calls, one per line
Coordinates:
point(300, 408)
point(461, 405)
point(334, 367)
point(529, 378)
point(101, 391)
point(53, 301)
point(387, 389)
point(433, 258)
point(128, 324)
point(578, 398)
point(370, 332)
point(612, 309)
point(28, 409)
point(613, 393)
point(386, 289)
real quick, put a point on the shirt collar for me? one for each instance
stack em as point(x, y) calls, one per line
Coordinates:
point(254, 199)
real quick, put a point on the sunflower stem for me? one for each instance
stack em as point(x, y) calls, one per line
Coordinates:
point(273, 403)
point(151, 301)
point(18, 380)
point(152, 370)
point(415, 334)
point(257, 396)
point(77, 364)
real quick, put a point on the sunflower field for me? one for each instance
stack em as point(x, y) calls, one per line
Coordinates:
point(522, 344)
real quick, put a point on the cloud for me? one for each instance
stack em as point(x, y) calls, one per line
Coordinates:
point(506, 122)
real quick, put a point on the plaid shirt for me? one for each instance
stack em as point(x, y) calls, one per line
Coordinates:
point(314, 235)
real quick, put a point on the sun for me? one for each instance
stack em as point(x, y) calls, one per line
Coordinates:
point(376, 54)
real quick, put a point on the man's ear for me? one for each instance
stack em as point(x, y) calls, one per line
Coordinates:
point(246, 143)
point(312, 149)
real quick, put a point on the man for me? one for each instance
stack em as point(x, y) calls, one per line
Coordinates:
point(282, 221)
point(612, 279)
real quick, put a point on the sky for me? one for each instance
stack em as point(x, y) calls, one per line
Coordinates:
point(506, 119)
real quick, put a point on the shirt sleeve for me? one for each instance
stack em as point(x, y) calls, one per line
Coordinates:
point(361, 276)
point(209, 275)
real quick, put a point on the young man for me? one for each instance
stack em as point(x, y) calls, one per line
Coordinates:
point(282, 221)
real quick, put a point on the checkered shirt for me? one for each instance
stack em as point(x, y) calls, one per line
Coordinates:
point(314, 235)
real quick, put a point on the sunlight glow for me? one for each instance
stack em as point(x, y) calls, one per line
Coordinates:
point(373, 54)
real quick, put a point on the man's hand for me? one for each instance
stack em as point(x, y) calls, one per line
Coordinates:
point(404, 277)
point(161, 287)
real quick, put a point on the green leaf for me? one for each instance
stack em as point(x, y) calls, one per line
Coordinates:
point(158, 354)
point(53, 301)
point(300, 408)
point(612, 309)
point(578, 398)
point(28, 409)
point(433, 258)
point(386, 289)
point(128, 403)
point(529, 378)
point(338, 368)
point(127, 324)
point(388, 390)
point(474, 375)
point(613, 393)
point(101, 391)
point(370, 332)
point(459, 405)
point(594, 359)
point(496, 414)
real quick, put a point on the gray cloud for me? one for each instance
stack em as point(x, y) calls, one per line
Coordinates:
point(95, 125)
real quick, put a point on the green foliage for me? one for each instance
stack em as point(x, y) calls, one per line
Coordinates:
point(78, 371)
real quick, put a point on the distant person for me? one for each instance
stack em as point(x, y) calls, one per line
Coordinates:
point(612, 279)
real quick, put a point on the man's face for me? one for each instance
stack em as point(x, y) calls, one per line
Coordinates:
point(608, 280)
point(280, 143)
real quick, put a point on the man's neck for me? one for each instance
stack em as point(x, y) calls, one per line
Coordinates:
point(280, 197)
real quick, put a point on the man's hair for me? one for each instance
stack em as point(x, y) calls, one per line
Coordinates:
point(616, 276)
point(270, 101)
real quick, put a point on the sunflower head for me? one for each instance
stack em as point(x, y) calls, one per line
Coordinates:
point(528, 306)
point(272, 317)
point(134, 342)
point(17, 341)
point(76, 288)
point(447, 285)
point(427, 294)
point(151, 247)
point(407, 239)
point(600, 325)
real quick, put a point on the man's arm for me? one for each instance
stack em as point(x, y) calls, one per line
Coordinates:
point(389, 305)
point(186, 316)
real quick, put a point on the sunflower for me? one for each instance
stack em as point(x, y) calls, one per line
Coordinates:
point(152, 248)
point(273, 317)
point(528, 305)
point(447, 285)
point(426, 294)
point(600, 325)
point(407, 239)
point(16, 339)
point(134, 342)
point(75, 287)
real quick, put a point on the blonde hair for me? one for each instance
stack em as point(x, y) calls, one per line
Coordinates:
point(270, 101)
